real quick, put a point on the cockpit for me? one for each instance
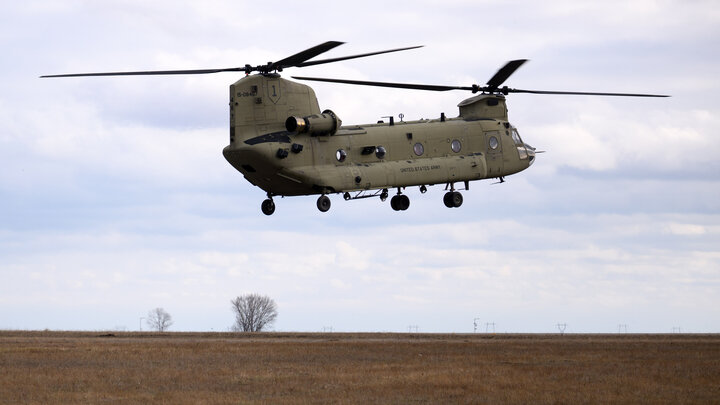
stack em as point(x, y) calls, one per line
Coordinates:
point(524, 150)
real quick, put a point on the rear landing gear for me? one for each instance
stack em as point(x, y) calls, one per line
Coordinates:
point(323, 203)
point(453, 199)
point(268, 206)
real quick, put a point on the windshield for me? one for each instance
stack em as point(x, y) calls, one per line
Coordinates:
point(519, 143)
point(516, 137)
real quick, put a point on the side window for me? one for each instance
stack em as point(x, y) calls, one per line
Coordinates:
point(456, 146)
point(493, 143)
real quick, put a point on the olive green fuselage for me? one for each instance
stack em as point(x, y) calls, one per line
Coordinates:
point(478, 144)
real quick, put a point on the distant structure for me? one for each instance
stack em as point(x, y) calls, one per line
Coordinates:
point(561, 327)
point(475, 321)
point(413, 329)
point(677, 329)
point(327, 329)
point(622, 328)
point(490, 327)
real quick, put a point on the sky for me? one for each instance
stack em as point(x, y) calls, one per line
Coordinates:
point(115, 198)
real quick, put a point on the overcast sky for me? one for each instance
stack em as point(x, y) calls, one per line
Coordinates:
point(115, 198)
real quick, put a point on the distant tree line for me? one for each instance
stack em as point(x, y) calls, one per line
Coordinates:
point(253, 313)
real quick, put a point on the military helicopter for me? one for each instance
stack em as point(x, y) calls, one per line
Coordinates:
point(283, 143)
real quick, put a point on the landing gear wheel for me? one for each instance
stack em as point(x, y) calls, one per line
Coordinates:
point(323, 203)
point(400, 202)
point(268, 207)
point(457, 199)
point(447, 199)
point(453, 199)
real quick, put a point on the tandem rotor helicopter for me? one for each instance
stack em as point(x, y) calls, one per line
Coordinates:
point(283, 143)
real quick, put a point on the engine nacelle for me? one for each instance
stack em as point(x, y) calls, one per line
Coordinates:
point(326, 123)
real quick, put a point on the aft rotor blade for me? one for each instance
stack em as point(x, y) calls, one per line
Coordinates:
point(388, 84)
point(503, 74)
point(300, 57)
point(319, 62)
point(579, 93)
point(151, 72)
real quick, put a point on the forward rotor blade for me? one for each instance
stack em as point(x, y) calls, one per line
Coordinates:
point(503, 74)
point(300, 57)
point(387, 84)
point(319, 62)
point(151, 72)
point(579, 93)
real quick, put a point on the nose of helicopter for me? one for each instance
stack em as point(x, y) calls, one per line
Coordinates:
point(531, 154)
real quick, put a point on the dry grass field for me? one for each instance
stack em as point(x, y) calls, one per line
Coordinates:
point(268, 368)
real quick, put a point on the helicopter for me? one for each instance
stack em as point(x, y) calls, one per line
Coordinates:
point(281, 141)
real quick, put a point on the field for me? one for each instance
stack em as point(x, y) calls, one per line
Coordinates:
point(268, 368)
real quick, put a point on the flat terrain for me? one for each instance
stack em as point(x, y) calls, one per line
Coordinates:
point(268, 368)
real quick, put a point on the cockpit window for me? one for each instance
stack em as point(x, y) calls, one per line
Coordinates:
point(519, 144)
point(516, 137)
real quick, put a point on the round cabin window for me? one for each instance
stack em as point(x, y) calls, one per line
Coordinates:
point(493, 143)
point(456, 146)
point(418, 149)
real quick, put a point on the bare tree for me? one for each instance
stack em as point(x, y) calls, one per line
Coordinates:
point(253, 312)
point(159, 319)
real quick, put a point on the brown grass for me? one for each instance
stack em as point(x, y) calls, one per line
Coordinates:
point(204, 368)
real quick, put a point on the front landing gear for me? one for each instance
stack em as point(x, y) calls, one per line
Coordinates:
point(268, 206)
point(400, 202)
